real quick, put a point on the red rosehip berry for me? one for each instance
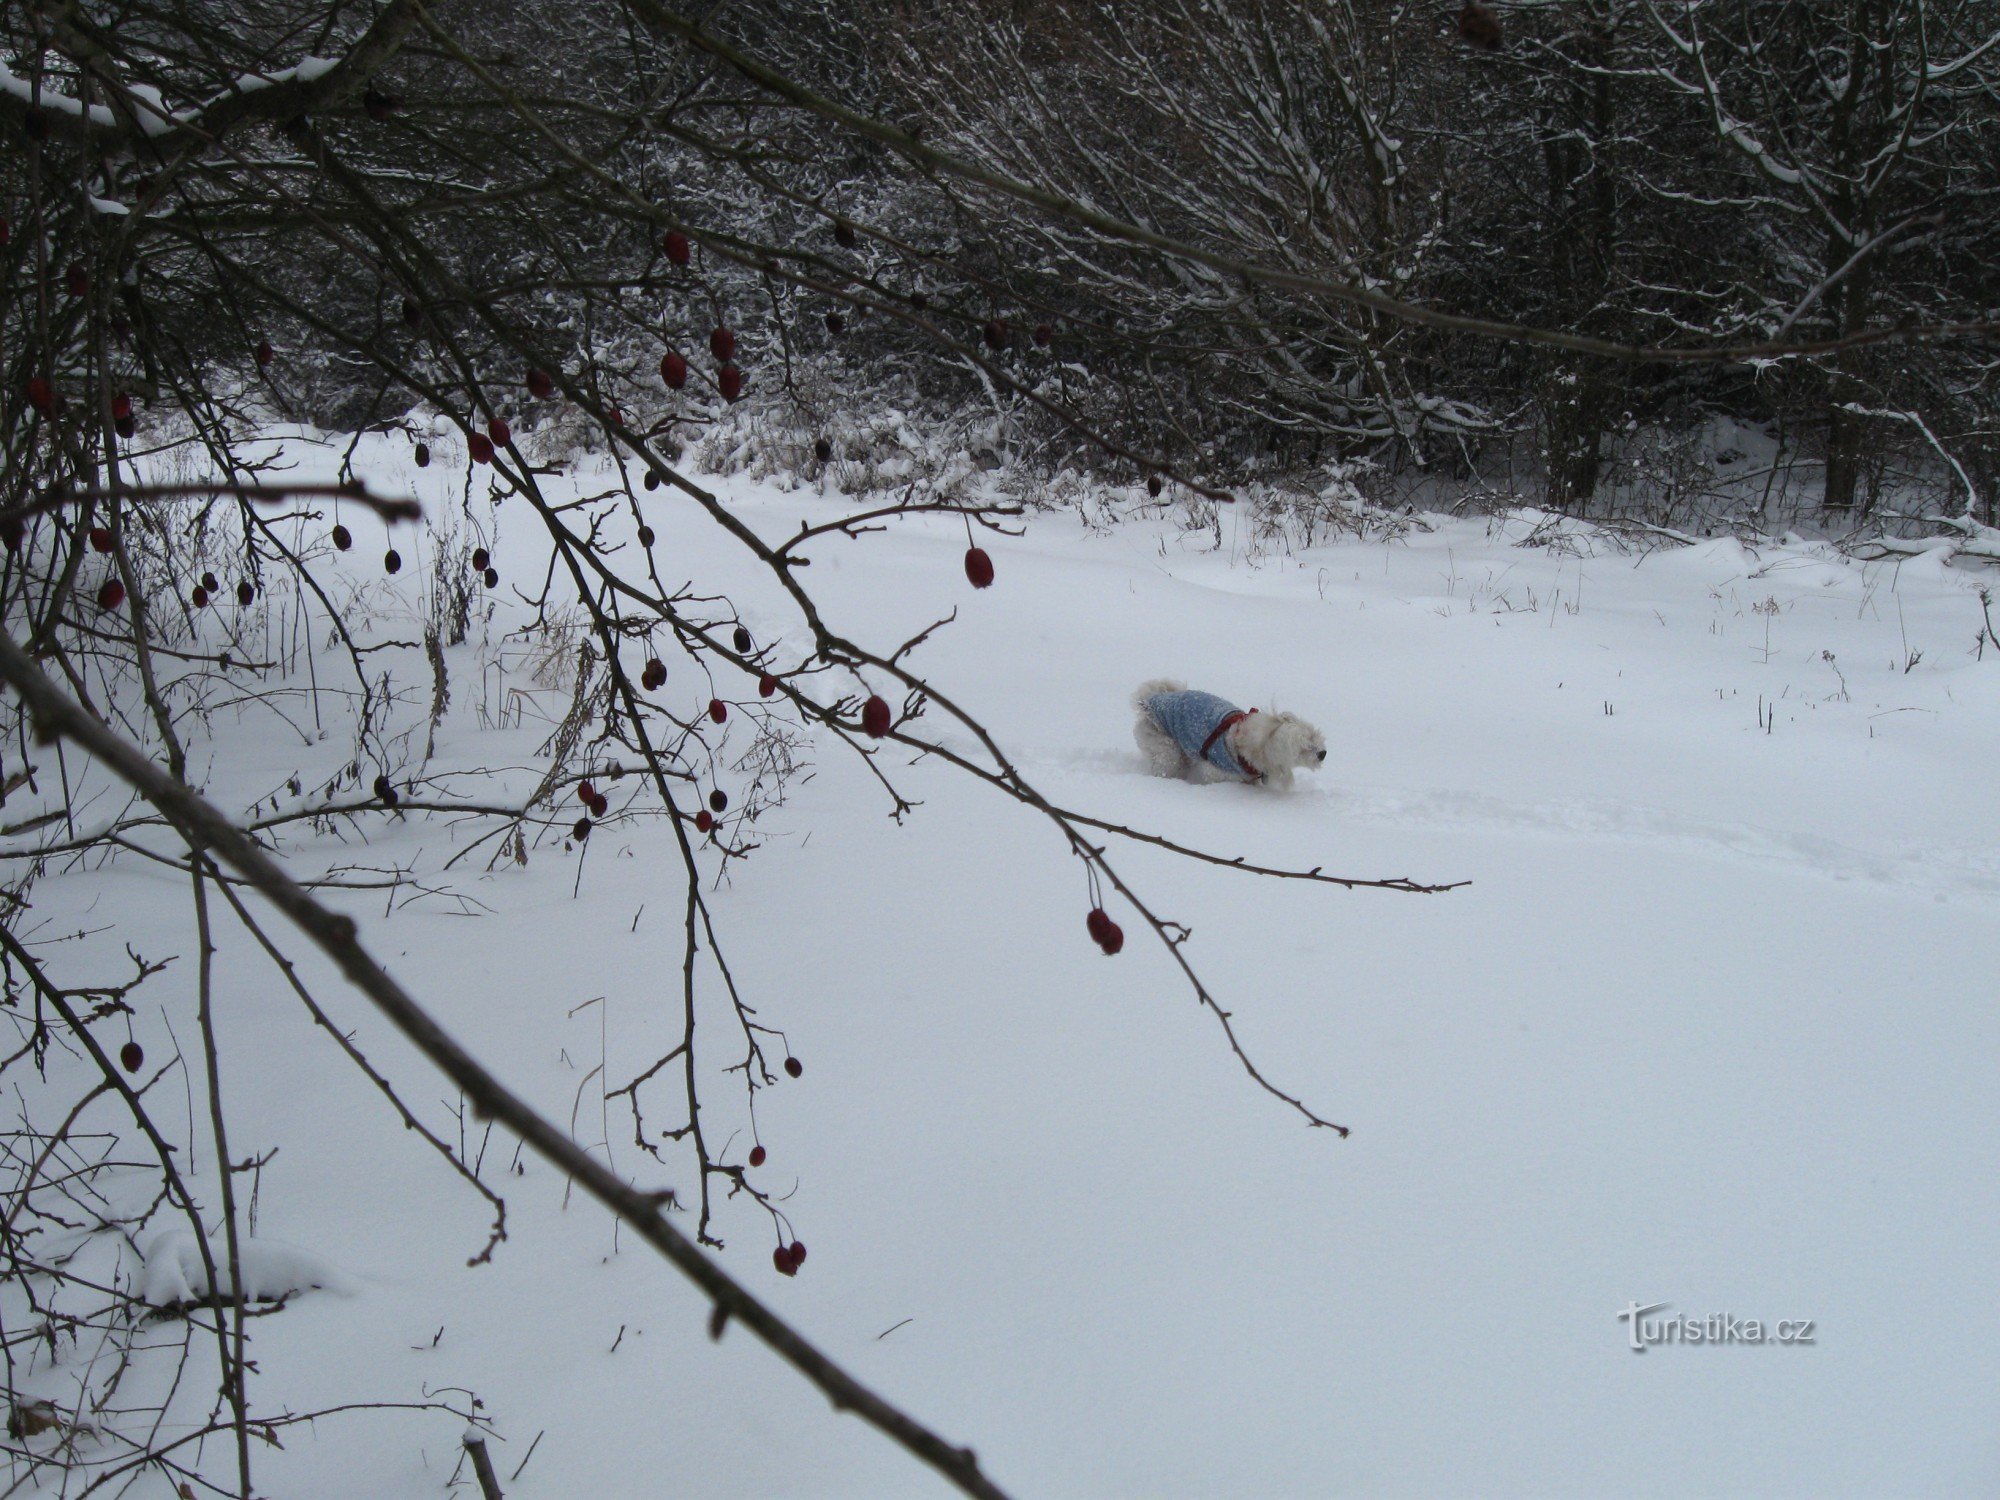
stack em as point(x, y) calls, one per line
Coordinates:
point(392, 561)
point(481, 559)
point(121, 407)
point(654, 677)
point(722, 344)
point(208, 582)
point(996, 333)
point(978, 567)
point(782, 1259)
point(741, 640)
point(582, 830)
point(844, 235)
point(499, 432)
point(718, 710)
point(246, 591)
point(100, 539)
point(1154, 485)
point(875, 718)
point(798, 1254)
point(111, 595)
point(541, 385)
point(646, 532)
point(491, 578)
point(1043, 334)
point(756, 1156)
point(718, 800)
point(677, 247)
point(1106, 933)
point(265, 354)
point(199, 598)
point(836, 324)
point(794, 1067)
point(729, 380)
point(673, 370)
point(480, 447)
point(704, 820)
point(42, 395)
point(342, 538)
point(131, 1057)
point(766, 685)
point(823, 450)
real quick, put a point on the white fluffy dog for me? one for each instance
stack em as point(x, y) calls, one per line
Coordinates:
point(1199, 737)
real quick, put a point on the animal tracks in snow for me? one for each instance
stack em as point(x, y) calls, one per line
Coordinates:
point(1932, 869)
point(1944, 870)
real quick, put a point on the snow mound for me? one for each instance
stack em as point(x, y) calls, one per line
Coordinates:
point(173, 1274)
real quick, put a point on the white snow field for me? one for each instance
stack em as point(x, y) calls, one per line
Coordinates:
point(1713, 1025)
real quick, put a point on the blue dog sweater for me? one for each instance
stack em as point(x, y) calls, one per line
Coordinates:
point(1193, 719)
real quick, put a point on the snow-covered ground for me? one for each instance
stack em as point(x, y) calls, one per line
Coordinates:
point(1712, 1026)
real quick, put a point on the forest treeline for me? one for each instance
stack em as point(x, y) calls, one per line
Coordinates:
point(1634, 174)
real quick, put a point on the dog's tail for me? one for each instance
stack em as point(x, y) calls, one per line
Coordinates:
point(1156, 686)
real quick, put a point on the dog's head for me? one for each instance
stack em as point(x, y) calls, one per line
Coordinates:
point(1279, 744)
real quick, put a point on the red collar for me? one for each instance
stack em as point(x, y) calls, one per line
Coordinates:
point(1229, 722)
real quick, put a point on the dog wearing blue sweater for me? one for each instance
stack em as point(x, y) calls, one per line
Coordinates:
point(1199, 737)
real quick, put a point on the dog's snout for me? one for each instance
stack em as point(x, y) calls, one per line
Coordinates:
point(1322, 755)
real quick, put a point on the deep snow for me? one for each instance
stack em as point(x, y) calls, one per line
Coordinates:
point(1712, 1026)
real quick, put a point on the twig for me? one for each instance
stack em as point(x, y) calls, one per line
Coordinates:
point(336, 936)
point(482, 1465)
point(261, 494)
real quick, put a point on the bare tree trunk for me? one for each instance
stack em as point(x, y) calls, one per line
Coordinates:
point(1583, 204)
